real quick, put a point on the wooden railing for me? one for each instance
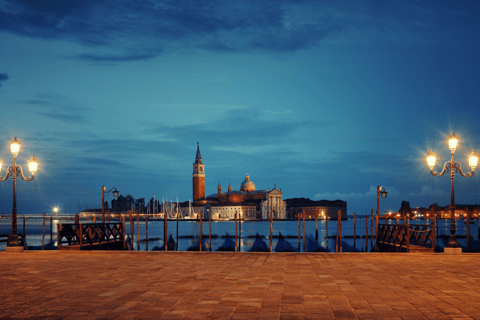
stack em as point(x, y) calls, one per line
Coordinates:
point(406, 238)
point(88, 236)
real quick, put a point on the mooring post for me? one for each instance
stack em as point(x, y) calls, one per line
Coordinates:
point(236, 229)
point(240, 232)
point(201, 230)
point(138, 231)
point(326, 228)
point(371, 231)
point(165, 229)
point(366, 233)
point(298, 213)
point(303, 229)
point(132, 228)
point(467, 216)
point(271, 229)
point(43, 235)
point(340, 222)
point(210, 229)
point(316, 226)
point(51, 230)
point(354, 229)
point(146, 231)
point(177, 230)
point(338, 234)
point(108, 217)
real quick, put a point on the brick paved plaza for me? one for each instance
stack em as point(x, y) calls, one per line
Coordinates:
point(156, 285)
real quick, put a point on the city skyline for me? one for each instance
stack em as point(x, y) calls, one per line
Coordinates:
point(325, 100)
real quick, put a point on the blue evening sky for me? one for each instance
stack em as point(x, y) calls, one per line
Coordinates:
point(327, 99)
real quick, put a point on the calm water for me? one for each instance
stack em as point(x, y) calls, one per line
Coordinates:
point(187, 229)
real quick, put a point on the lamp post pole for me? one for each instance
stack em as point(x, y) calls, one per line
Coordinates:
point(115, 195)
point(452, 166)
point(383, 193)
point(16, 170)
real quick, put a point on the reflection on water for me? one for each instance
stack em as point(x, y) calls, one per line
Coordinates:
point(188, 231)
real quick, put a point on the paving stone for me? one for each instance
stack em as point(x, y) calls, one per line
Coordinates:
point(158, 285)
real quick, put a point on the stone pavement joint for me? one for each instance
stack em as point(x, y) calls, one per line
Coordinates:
point(192, 285)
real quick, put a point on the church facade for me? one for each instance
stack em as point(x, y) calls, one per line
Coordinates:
point(246, 202)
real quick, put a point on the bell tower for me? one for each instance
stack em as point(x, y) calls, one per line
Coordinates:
point(198, 177)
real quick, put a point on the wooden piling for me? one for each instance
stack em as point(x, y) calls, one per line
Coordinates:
point(132, 228)
point(236, 229)
point(138, 231)
point(316, 226)
point(298, 213)
point(467, 216)
point(326, 229)
point(165, 229)
point(303, 231)
point(201, 230)
point(23, 230)
point(354, 229)
point(43, 235)
point(146, 232)
point(94, 218)
point(271, 229)
point(240, 232)
point(340, 229)
point(108, 216)
point(371, 231)
point(436, 226)
point(176, 247)
point(51, 230)
point(366, 233)
point(336, 237)
point(210, 229)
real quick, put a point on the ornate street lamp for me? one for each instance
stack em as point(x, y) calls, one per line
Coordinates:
point(115, 195)
point(452, 166)
point(16, 170)
point(380, 192)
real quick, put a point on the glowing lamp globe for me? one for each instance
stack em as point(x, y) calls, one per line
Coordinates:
point(33, 165)
point(1, 165)
point(15, 147)
point(473, 161)
point(115, 193)
point(431, 159)
point(452, 142)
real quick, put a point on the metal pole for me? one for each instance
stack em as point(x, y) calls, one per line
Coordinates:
point(13, 241)
point(452, 243)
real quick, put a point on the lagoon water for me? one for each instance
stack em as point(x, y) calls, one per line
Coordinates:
point(188, 232)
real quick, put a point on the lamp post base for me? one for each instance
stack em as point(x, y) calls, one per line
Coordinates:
point(14, 249)
point(452, 250)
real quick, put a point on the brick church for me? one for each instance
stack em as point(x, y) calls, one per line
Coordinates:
point(246, 201)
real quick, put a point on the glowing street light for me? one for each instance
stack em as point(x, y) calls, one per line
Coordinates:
point(452, 166)
point(55, 210)
point(16, 170)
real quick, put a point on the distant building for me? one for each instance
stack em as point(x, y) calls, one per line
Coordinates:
point(313, 209)
point(247, 201)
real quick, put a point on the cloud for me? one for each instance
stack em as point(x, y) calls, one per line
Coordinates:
point(134, 30)
point(56, 106)
point(3, 77)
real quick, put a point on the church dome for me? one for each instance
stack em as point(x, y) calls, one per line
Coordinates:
point(247, 185)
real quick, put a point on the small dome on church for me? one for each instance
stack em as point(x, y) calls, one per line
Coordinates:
point(247, 185)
